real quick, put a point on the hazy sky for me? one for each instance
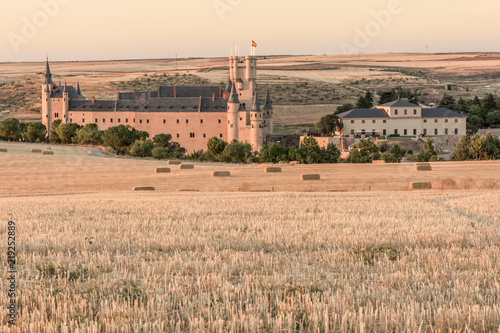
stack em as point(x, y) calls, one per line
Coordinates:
point(125, 29)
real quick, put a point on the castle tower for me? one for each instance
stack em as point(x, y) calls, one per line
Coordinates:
point(65, 105)
point(233, 106)
point(256, 135)
point(244, 75)
point(47, 87)
point(267, 111)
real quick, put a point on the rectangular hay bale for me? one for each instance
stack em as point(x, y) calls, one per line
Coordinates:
point(421, 186)
point(34, 150)
point(221, 174)
point(174, 162)
point(273, 169)
point(423, 167)
point(47, 152)
point(310, 177)
point(143, 188)
point(162, 170)
point(186, 166)
point(3, 150)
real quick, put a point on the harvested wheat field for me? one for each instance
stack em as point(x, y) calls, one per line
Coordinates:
point(95, 256)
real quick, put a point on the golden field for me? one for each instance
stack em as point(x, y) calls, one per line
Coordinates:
point(93, 256)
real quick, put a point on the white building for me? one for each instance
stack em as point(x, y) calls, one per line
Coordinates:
point(403, 118)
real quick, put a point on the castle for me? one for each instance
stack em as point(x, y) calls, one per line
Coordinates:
point(191, 114)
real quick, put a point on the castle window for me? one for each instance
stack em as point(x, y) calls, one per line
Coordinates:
point(140, 121)
point(204, 135)
point(70, 120)
point(220, 135)
point(191, 135)
point(83, 120)
point(147, 121)
point(95, 120)
point(126, 120)
point(133, 120)
point(177, 121)
point(177, 134)
point(201, 121)
point(164, 121)
point(187, 121)
point(118, 119)
point(219, 121)
point(103, 120)
point(111, 120)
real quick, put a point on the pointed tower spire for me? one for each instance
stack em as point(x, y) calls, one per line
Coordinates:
point(78, 91)
point(268, 104)
point(233, 98)
point(228, 85)
point(59, 83)
point(65, 87)
point(256, 103)
point(48, 74)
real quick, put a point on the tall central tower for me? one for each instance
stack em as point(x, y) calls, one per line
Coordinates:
point(243, 72)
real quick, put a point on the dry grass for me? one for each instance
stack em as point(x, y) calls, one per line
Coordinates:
point(196, 262)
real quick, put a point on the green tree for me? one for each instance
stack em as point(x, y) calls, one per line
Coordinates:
point(447, 102)
point(489, 103)
point(54, 136)
point(216, 146)
point(365, 151)
point(493, 117)
point(162, 140)
point(344, 108)
point(121, 137)
point(34, 132)
point(331, 154)
point(477, 148)
point(329, 124)
point(9, 129)
point(462, 150)
point(491, 147)
point(89, 134)
point(273, 153)
point(428, 154)
point(398, 152)
point(365, 102)
point(237, 152)
point(67, 132)
point(142, 148)
point(387, 96)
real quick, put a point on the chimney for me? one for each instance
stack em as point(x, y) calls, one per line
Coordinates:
point(149, 95)
point(213, 97)
point(93, 99)
point(175, 91)
point(136, 96)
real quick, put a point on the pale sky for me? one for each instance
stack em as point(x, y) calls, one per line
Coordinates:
point(125, 29)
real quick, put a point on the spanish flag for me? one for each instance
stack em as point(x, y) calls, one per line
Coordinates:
point(254, 44)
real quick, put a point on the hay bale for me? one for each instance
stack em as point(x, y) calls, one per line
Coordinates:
point(273, 169)
point(423, 167)
point(36, 151)
point(3, 150)
point(294, 162)
point(143, 188)
point(221, 174)
point(421, 186)
point(47, 152)
point(188, 190)
point(186, 166)
point(162, 170)
point(378, 162)
point(174, 162)
point(314, 176)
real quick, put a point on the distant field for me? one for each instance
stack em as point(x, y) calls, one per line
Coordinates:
point(309, 82)
point(95, 256)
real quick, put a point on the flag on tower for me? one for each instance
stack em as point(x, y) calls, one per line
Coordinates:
point(254, 44)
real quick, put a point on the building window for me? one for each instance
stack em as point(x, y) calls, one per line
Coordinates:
point(95, 120)
point(147, 121)
point(374, 121)
point(191, 135)
point(363, 121)
point(126, 120)
point(425, 131)
point(204, 135)
point(435, 120)
point(70, 120)
point(384, 121)
point(177, 134)
point(446, 120)
point(425, 120)
point(201, 121)
point(352, 132)
point(415, 112)
point(456, 120)
point(187, 121)
point(384, 132)
point(133, 120)
point(164, 121)
point(446, 131)
point(140, 121)
point(363, 132)
point(119, 120)
point(177, 121)
point(456, 131)
point(373, 131)
point(395, 131)
point(352, 121)
point(405, 131)
point(219, 123)
point(111, 120)
point(414, 131)
point(395, 112)
point(406, 112)
point(103, 120)
point(435, 131)
point(83, 120)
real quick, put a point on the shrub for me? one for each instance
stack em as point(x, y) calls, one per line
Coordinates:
point(142, 148)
